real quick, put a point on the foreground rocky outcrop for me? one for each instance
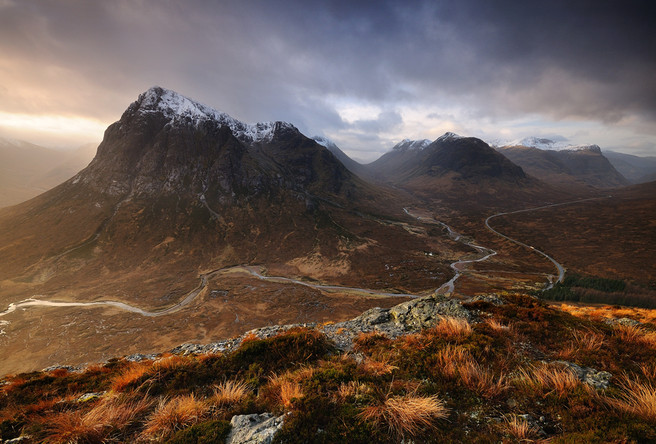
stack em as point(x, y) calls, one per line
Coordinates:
point(504, 367)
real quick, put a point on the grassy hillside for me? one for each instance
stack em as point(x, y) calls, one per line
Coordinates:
point(517, 370)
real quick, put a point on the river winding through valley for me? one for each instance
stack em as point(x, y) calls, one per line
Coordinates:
point(447, 287)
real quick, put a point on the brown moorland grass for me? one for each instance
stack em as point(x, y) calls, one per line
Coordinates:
point(635, 334)
point(406, 415)
point(582, 341)
point(111, 414)
point(520, 429)
point(547, 379)
point(129, 375)
point(498, 326)
point(174, 414)
point(352, 389)
point(171, 362)
point(588, 340)
point(636, 398)
point(286, 389)
point(644, 315)
point(455, 362)
point(378, 367)
point(230, 392)
point(453, 327)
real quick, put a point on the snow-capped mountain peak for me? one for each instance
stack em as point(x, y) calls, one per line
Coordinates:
point(542, 143)
point(412, 145)
point(179, 108)
point(449, 136)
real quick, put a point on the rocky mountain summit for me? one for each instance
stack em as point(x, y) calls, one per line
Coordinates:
point(467, 158)
point(167, 144)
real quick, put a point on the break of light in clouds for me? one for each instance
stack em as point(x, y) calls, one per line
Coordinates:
point(366, 74)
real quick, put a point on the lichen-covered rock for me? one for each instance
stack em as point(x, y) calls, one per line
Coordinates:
point(89, 396)
point(254, 429)
point(138, 357)
point(374, 316)
point(489, 298)
point(628, 322)
point(427, 311)
point(588, 375)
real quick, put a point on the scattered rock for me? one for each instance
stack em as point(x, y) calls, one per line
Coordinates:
point(489, 298)
point(590, 376)
point(138, 357)
point(627, 322)
point(374, 316)
point(254, 429)
point(89, 396)
point(70, 368)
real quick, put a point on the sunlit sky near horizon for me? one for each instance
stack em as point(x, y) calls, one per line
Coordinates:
point(364, 74)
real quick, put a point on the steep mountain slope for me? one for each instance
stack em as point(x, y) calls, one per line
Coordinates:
point(637, 169)
point(460, 171)
point(466, 157)
point(350, 164)
point(582, 166)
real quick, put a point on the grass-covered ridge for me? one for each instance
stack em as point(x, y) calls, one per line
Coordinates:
point(506, 374)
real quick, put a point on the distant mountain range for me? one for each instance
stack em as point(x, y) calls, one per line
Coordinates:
point(27, 170)
point(179, 192)
point(581, 166)
point(637, 169)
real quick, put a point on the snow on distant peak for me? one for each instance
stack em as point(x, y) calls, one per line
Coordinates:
point(449, 136)
point(588, 148)
point(177, 107)
point(413, 145)
point(325, 142)
point(542, 143)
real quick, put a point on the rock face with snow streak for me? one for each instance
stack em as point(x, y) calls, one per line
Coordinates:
point(167, 144)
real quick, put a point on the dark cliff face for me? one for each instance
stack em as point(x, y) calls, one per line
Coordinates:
point(471, 158)
point(166, 144)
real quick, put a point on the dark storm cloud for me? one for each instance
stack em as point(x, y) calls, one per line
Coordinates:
point(293, 60)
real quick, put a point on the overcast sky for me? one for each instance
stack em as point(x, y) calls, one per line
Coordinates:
point(365, 74)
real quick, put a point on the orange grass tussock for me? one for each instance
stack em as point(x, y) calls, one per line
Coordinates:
point(453, 327)
point(636, 398)
point(547, 379)
point(173, 362)
point(111, 414)
point(128, 376)
point(636, 334)
point(378, 368)
point(352, 389)
point(520, 428)
point(287, 389)
point(497, 326)
point(230, 392)
point(588, 340)
point(457, 363)
point(174, 414)
point(406, 415)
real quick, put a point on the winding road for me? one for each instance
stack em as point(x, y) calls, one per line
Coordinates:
point(559, 267)
point(447, 287)
point(204, 279)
